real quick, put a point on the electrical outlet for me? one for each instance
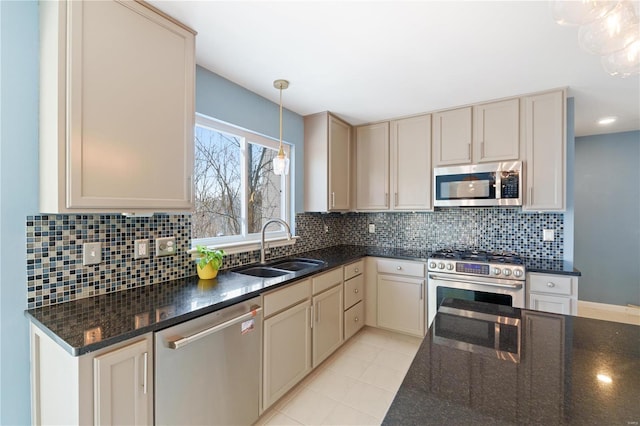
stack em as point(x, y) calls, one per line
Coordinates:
point(91, 253)
point(140, 249)
point(165, 312)
point(165, 246)
point(92, 335)
point(142, 320)
point(372, 228)
point(326, 229)
point(548, 234)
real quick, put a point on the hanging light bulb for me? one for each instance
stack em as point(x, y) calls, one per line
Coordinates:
point(281, 162)
point(579, 12)
point(611, 33)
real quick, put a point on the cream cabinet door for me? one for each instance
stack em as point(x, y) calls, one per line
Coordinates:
point(496, 131)
point(545, 142)
point(327, 163)
point(287, 351)
point(339, 161)
point(401, 304)
point(119, 136)
point(548, 303)
point(328, 314)
point(372, 167)
point(452, 137)
point(411, 163)
point(123, 385)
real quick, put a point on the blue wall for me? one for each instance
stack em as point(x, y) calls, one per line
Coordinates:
point(607, 217)
point(223, 100)
point(18, 197)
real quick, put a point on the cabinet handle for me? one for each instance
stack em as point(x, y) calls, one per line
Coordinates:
point(311, 316)
point(386, 198)
point(399, 268)
point(421, 285)
point(469, 149)
point(396, 198)
point(357, 270)
point(355, 319)
point(550, 284)
point(145, 372)
point(333, 199)
point(356, 291)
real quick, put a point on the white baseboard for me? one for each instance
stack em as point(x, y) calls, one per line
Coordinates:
point(619, 313)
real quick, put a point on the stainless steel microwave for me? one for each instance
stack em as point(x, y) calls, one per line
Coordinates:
point(495, 184)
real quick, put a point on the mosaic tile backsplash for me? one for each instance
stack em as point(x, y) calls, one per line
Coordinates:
point(55, 273)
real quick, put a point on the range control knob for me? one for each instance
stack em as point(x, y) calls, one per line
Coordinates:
point(506, 272)
point(450, 266)
point(496, 271)
point(440, 265)
point(432, 265)
point(517, 273)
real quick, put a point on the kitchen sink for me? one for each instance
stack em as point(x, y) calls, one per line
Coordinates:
point(263, 272)
point(297, 264)
point(280, 268)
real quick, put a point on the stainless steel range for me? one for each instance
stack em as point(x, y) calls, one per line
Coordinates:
point(497, 278)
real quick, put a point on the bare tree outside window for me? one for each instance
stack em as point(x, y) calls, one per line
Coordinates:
point(222, 160)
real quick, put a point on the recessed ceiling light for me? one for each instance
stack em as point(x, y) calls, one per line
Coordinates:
point(605, 121)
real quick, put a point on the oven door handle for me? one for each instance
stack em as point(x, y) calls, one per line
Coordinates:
point(458, 280)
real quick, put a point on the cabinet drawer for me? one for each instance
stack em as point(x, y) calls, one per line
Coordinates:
point(400, 267)
point(326, 280)
point(353, 291)
point(288, 296)
point(353, 269)
point(553, 284)
point(353, 320)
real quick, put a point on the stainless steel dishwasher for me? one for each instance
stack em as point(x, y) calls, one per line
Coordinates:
point(207, 370)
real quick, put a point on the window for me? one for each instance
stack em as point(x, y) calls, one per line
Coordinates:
point(236, 191)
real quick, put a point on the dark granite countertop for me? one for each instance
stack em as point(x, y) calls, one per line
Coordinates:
point(555, 381)
point(126, 314)
point(548, 266)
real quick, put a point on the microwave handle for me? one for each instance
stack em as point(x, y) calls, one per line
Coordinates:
point(458, 280)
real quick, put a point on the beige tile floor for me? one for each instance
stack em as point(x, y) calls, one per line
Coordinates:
point(355, 386)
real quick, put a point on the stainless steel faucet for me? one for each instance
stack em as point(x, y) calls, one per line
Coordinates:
point(264, 227)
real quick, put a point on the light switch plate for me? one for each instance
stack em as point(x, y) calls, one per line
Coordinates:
point(165, 246)
point(372, 228)
point(91, 253)
point(548, 235)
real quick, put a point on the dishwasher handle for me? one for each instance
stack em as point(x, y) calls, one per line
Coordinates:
point(183, 341)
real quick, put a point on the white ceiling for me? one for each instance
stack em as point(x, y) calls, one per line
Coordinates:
point(375, 60)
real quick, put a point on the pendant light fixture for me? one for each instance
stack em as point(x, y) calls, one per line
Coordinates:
point(281, 162)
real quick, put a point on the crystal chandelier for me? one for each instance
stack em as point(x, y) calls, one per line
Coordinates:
point(609, 29)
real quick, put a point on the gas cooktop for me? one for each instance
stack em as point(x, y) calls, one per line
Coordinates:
point(478, 256)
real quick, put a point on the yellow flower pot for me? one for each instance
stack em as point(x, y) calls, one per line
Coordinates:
point(208, 272)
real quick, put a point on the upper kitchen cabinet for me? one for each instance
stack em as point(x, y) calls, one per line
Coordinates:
point(372, 167)
point(327, 144)
point(545, 151)
point(496, 128)
point(483, 133)
point(116, 108)
point(452, 137)
point(411, 163)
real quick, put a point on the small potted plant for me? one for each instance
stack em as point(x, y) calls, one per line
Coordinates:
point(209, 261)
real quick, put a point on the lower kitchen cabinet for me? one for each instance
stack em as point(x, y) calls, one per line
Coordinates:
point(327, 323)
point(113, 385)
point(401, 296)
point(552, 293)
point(353, 320)
point(287, 344)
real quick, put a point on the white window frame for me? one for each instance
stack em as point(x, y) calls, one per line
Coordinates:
point(245, 241)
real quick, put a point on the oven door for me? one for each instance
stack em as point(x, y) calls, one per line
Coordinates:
point(491, 290)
